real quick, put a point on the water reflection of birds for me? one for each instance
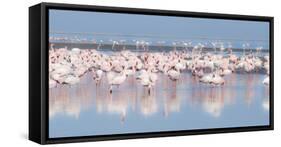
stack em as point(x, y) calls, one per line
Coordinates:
point(213, 103)
point(249, 89)
point(265, 104)
point(118, 105)
point(266, 101)
point(69, 100)
point(148, 103)
point(113, 103)
point(171, 101)
point(72, 100)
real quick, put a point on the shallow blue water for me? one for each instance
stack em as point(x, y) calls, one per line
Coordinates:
point(86, 109)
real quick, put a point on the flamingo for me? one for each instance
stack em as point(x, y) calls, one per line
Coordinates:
point(114, 43)
point(217, 80)
point(147, 79)
point(52, 83)
point(174, 74)
point(68, 66)
point(75, 50)
point(57, 77)
point(71, 80)
point(206, 78)
point(266, 81)
point(224, 72)
point(106, 66)
point(115, 79)
point(100, 44)
point(97, 75)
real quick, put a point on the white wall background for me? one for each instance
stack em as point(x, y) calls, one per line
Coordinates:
point(14, 71)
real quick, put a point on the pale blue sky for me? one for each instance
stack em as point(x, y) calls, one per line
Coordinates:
point(177, 27)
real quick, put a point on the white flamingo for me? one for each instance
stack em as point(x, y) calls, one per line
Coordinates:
point(97, 75)
point(266, 81)
point(174, 74)
point(115, 79)
point(52, 83)
point(206, 78)
point(217, 80)
point(147, 79)
point(71, 80)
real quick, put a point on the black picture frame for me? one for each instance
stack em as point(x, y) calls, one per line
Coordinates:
point(38, 72)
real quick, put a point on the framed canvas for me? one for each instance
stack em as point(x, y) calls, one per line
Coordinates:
point(103, 73)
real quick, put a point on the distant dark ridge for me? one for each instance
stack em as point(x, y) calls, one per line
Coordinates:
point(108, 47)
point(148, 36)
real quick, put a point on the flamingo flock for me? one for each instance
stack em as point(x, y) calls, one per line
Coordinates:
point(68, 66)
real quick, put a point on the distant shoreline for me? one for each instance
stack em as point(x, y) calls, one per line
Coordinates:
point(132, 47)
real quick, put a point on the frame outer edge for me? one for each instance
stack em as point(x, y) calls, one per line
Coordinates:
point(44, 81)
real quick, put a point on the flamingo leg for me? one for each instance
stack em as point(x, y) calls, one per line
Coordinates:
point(110, 89)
